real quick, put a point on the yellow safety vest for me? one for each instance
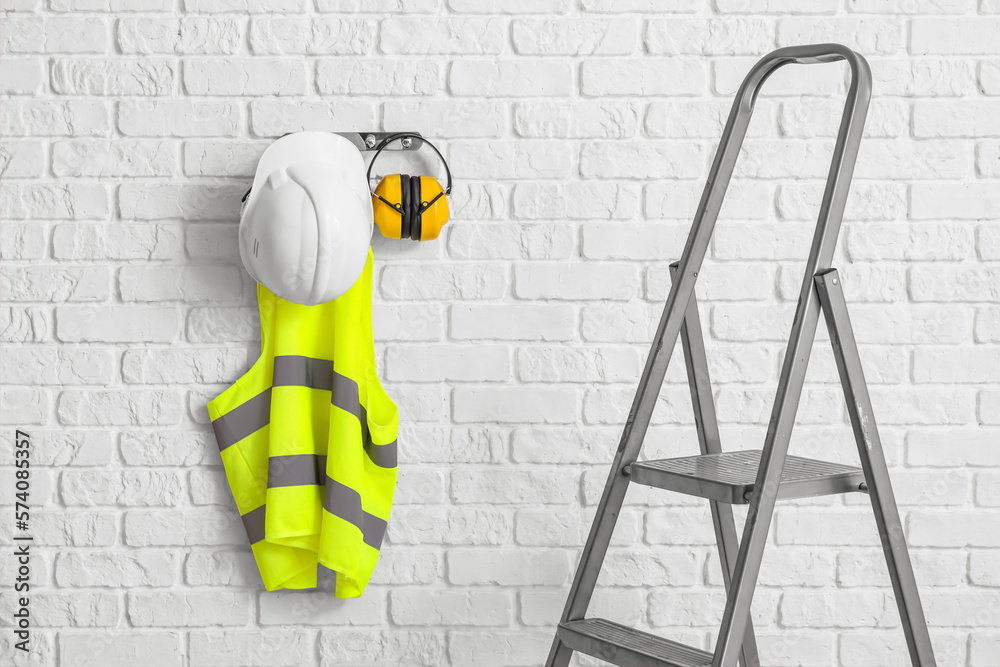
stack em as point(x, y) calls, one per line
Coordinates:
point(308, 441)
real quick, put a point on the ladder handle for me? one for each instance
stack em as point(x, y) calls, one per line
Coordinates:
point(812, 54)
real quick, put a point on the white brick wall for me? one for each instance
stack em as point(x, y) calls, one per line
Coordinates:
point(580, 134)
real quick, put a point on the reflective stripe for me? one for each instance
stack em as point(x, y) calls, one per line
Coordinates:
point(374, 530)
point(243, 420)
point(301, 371)
point(295, 470)
point(342, 501)
point(253, 522)
point(345, 395)
point(298, 371)
point(384, 456)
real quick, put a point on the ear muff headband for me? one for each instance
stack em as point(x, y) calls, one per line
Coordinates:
point(405, 210)
point(417, 221)
point(403, 135)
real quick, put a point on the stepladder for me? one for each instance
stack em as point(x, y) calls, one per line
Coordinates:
point(756, 478)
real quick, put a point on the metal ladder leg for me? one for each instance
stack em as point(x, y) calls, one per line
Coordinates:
point(710, 442)
point(800, 342)
point(890, 528)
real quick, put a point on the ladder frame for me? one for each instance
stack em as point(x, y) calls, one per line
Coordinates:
point(820, 290)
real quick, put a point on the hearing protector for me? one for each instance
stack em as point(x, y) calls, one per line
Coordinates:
point(410, 207)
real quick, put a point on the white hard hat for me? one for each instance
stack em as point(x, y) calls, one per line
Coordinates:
point(306, 225)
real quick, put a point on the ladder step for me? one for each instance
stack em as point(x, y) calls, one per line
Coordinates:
point(627, 647)
point(729, 477)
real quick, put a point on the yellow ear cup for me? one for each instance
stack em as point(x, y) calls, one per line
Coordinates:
point(388, 219)
point(435, 215)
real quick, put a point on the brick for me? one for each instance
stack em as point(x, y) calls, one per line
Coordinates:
point(56, 365)
point(273, 118)
point(953, 36)
point(252, 648)
point(775, 7)
point(193, 35)
point(119, 76)
point(966, 366)
point(708, 37)
point(574, 37)
point(510, 241)
point(926, 77)
point(866, 35)
point(201, 202)
point(121, 569)
point(54, 202)
point(827, 527)
point(22, 76)
point(575, 201)
point(646, 77)
point(556, 405)
point(579, 364)
point(69, 448)
point(575, 281)
point(507, 78)
point(447, 363)
point(409, 607)
point(276, 36)
point(577, 119)
point(954, 529)
point(24, 406)
point(195, 609)
point(389, 78)
point(453, 118)
point(617, 323)
point(377, 6)
point(513, 322)
point(221, 568)
point(867, 609)
point(504, 649)
point(909, 242)
point(128, 488)
point(538, 606)
point(521, 160)
point(464, 526)
point(933, 119)
point(183, 527)
point(983, 649)
point(56, 283)
point(192, 284)
point(462, 281)
point(320, 608)
point(116, 324)
point(76, 529)
point(120, 650)
point(90, 157)
point(615, 6)
point(951, 283)
point(452, 36)
point(973, 448)
point(21, 159)
point(54, 35)
point(932, 568)
point(111, 5)
point(374, 648)
point(179, 118)
point(116, 241)
point(252, 6)
point(645, 160)
point(507, 567)
point(27, 241)
point(79, 407)
point(175, 448)
point(257, 77)
point(24, 118)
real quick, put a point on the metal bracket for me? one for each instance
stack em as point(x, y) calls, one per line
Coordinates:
point(367, 141)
